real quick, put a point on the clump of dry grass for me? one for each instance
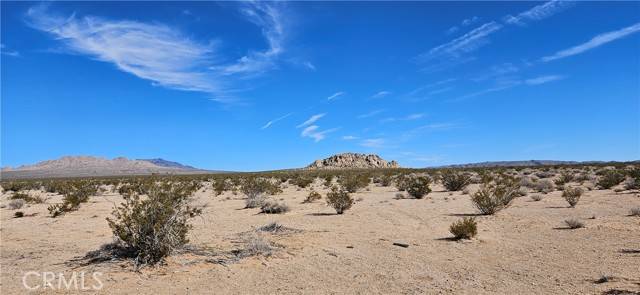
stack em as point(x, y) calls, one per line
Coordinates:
point(574, 223)
point(313, 196)
point(274, 207)
point(466, 228)
point(537, 198)
point(16, 204)
point(255, 245)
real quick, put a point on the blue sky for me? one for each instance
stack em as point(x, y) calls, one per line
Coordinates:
point(259, 86)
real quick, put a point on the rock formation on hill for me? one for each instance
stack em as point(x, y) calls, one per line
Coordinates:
point(352, 161)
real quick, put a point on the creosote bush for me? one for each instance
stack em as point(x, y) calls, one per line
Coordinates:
point(340, 199)
point(78, 193)
point(610, 179)
point(313, 196)
point(353, 182)
point(16, 204)
point(153, 221)
point(572, 195)
point(544, 186)
point(418, 186)
point(495, 196)
point(454, 181)
point(27, 198)
point(466, 228)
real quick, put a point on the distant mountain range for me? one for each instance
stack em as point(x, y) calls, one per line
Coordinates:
point(524, 163)
point(85, 166)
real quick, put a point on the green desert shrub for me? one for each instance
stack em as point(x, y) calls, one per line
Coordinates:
point(313, 196)
point(466, 228)
point(610, 179)
point(27, 198)
point(71, 200)
point(353, 182)
point(572, 195)
point(564, 178)
point(301, 181)
point(153, 222)
point(495, 196)
point(18, 214)
point(273, 207)
point(340, 199)
point(455, 181)
point(255, 190)
point(418, 186)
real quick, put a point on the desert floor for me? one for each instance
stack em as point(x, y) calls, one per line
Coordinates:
point(524, 249)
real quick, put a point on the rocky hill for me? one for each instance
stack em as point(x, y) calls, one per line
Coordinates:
point(82, 166)
point(352, 161)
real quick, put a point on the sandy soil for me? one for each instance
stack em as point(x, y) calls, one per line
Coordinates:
point(524, 249)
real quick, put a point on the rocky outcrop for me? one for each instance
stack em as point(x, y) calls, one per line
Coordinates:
point(352, 161)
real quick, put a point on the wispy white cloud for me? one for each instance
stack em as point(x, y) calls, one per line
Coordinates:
point(275, 120)
point(463, 23)
point(543, 79)
point(161, 54)
point(500, 70)
point(269, 17)
point(466, 43)
point(309, 65)
point(409, 117)
point(370, 114)
point(5, 51)
point(311, 120)
point(335, 95)
point(538, 12)
point(349, 137)
point(381, 94)
point(595, 42)
point(314, 132)
point(373, 143)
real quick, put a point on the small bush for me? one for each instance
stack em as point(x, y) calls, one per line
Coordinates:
point(27, 198)
point(339, 199)
point(418, 186)
point(353, 182)
point(544, 186)
point(610, 179)
point(635, 211)
point(466, 228)
point(574, 223)
point(565, 177)
point(72, 199)
point(154, 222)
point(493, 197)
point(313, 196)
point(399, 196)
point(274, 207)
point(18, 214)
point(455, 181)
point(302, 182)
point(537, 198)
point(256, 244)
point(16, 204)
point(254, 201)
point(572, 195)
point(632, 183)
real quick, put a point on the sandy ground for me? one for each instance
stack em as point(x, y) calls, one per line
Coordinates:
point(524, 249)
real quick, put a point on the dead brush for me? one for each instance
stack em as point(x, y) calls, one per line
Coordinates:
point(274, 207)
point(574, 223)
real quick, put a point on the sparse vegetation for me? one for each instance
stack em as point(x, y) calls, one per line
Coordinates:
point(153, 221)
point(454, 181)
point(635, 211)
point(466, 228)
point(339, 199)
point(572, 195)
point(610, 179)
point(313, 196)
point(274, 207)
point(537, 198)
point(16, 204)
point(495, 196)
point(574, 223)
point(544, 186)
point(418, 186)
